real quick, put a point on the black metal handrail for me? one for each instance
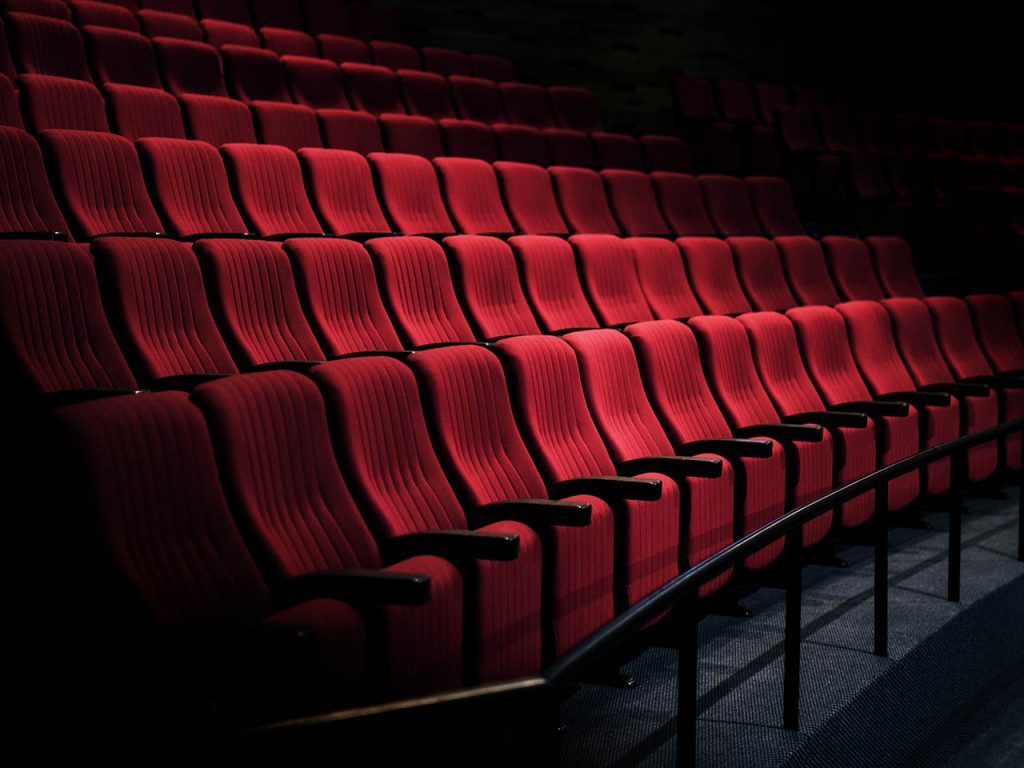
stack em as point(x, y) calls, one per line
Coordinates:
point(570, 667)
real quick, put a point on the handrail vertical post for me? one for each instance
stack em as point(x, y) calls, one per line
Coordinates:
point(881, 541)
point(686, 715)
point(791, 642)
point(956, 525)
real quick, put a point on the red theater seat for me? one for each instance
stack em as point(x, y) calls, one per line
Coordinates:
point(583, 201)
point(659, 268)
point(552, 284)
point(760, 271)
point(410, 193)
point(268, 186)
point(474, 200)
point(607, 271)
point(713, 277)
point(27, 205)
point(341, 189)
point(804, 265)
point(43, 45)
point(852, 271)
point(682, 204)
point(632, 197)
point(61, 103)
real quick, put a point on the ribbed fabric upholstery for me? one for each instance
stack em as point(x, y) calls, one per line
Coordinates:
point(732, 375)
point(666, 154)
point(288, 125)
point(852, 271)
point(315, 83)
point(728, 204)
point(615, 394)
point(183, 7)
point(712, 271)
point(632, 198)
point(27, 205)
point(682, 204)
point(217, 120)
point(61, 103)
point(268, 187)
point(468, 138)
point(663, 279)
point(607, 271)
point(55, 331)
point(521, 144)
point(54, 9)
point(119, 56)
point(618, 150)
point(552, 285)
point(469, 409)
point(530, 199)
point(411, 134)
point(341, 189)
point(496, 68)
point(894, 266)
point(10, 112)
point(138, 112)
point(382, 433)
point(342, 48)
point(571, 148)
point(218, 32)
point(489, 286)
point(410, 193)
point(158, 306)
point(426, 94)
point(760, 271)
point(103, 14)
point(952, 323)
point(387, 53)
point(582, 199)
point(527, 104)
point(371, 88)
point(190, 67)
point(874, 347)
point(575, 107)
point(340, 292)
point(162, 24)
point(419, 291)
point(164, 523)
point(804, 264)
point(255, 74)
point(770, 97)
point(777, 355)
point(253, 294)
point(474, 200)
point(288, 42)
point(444, 61)
point(47, 46)
point(994, 326)
point(828, 358)
point(101, 181)
point(772, 198)
point(327, 16)
point(547, 394)
point(678, 392)
point(355, 131)
point(280, 469)
point(915, 337)
point(477, 99)
point(190, 187)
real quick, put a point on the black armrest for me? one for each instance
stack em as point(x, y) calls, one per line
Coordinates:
point(184, 381)
point(282, 236)
point(791, 433)
point(358, 586)
point(73, 396)
point(452, 545)
point(398, 354)
point(674, 466)
point(220, 236)
point(533, 512)
point(918, 398)
point(730, 447)
point(829, 419)
point(301, 366)
point(999, 381)
point(873, 407)
point(609, 487)
point(436, 344)
point(54, 235)
point(960, 389)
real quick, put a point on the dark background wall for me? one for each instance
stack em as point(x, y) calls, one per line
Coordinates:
point(903, 56)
